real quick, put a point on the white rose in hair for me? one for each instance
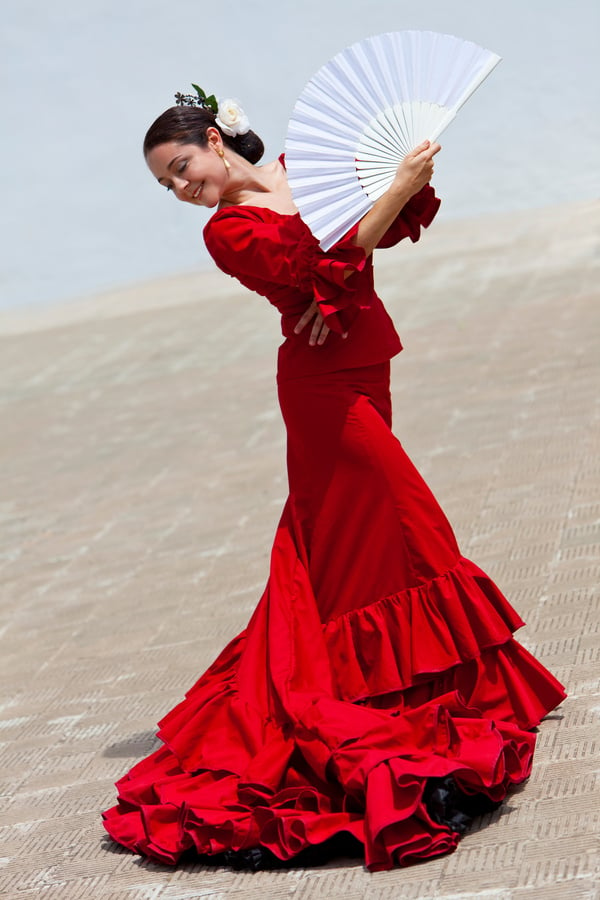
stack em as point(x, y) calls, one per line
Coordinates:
point(231, 118)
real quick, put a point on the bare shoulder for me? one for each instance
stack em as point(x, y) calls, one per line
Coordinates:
point(277, 196)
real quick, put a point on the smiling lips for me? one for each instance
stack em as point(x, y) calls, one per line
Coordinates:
point(197, 192)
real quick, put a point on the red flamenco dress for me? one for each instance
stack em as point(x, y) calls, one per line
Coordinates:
point(377, 698)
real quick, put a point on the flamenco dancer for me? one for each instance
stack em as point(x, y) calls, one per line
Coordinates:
point(377, 700)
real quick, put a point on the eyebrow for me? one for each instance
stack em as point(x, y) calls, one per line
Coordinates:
point(175, 158)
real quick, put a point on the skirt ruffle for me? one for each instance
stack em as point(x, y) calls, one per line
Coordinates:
point(330, 717)
point(234, 774)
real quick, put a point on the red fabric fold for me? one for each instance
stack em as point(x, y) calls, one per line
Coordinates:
point(418, 213)
point(340, 280)
point(333, 279)
point(246, 242)
point(380, 648)
point(325, 766)
point(374, 789)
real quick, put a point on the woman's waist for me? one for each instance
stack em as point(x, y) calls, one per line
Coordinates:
point(371, 339)
point(298, 359)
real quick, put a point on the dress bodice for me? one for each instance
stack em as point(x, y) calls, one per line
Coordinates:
point(277, 256)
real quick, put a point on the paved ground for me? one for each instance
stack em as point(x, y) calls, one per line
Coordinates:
point(142, 477)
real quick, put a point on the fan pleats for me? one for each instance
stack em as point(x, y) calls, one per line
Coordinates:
point(364, 110)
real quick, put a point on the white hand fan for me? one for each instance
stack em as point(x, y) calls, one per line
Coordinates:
point(364, 110)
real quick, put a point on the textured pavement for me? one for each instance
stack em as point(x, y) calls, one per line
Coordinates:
point(142, 460)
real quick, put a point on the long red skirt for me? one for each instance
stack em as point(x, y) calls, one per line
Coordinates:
point(378, 662)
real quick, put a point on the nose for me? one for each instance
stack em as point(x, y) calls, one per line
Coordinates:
point(179, 187)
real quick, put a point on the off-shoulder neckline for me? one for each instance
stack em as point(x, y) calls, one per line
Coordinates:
point(242, 206)
point(253, 206)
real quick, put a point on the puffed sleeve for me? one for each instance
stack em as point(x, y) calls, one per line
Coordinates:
point(418, 213)
point(261, 248)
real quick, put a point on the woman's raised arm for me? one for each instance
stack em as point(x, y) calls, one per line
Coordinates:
point(414, 172)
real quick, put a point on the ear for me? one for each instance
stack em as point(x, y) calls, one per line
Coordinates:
point(215, 141)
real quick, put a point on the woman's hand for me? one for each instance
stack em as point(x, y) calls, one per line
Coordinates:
point(319, 330)
point(413, 173)
point(416, 169)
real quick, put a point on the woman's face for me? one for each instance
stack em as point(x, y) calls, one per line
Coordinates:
point(194, 174)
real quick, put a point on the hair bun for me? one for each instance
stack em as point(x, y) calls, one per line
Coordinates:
point(248, 145)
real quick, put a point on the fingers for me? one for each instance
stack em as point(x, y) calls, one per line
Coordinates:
point(429, 151)
point(420, 163)
point(324, 332)
point(426, 148)
point(420, 148)
point(315, 331)
point(417, 166)
point(319, 331)
point(306, 317)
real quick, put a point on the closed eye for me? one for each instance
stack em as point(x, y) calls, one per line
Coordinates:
point(181, 167)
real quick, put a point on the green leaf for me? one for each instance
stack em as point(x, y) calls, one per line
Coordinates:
point(199, 91)
point(212, 102)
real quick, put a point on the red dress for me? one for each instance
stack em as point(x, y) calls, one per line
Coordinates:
point(377, 693)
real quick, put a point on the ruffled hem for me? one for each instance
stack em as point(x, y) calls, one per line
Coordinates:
point(453, 633)
point(376, 768)
point(408, 638)
point(234, 776)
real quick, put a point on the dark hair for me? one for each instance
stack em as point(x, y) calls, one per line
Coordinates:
point(188, 125)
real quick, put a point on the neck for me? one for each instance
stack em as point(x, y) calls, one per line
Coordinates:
point(244, 179)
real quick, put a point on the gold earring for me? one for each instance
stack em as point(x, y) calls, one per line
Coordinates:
point(221, 153)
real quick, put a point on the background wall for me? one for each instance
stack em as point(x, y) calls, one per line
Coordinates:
point(80, 83)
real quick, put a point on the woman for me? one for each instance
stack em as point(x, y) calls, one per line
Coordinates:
point(377, 698)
